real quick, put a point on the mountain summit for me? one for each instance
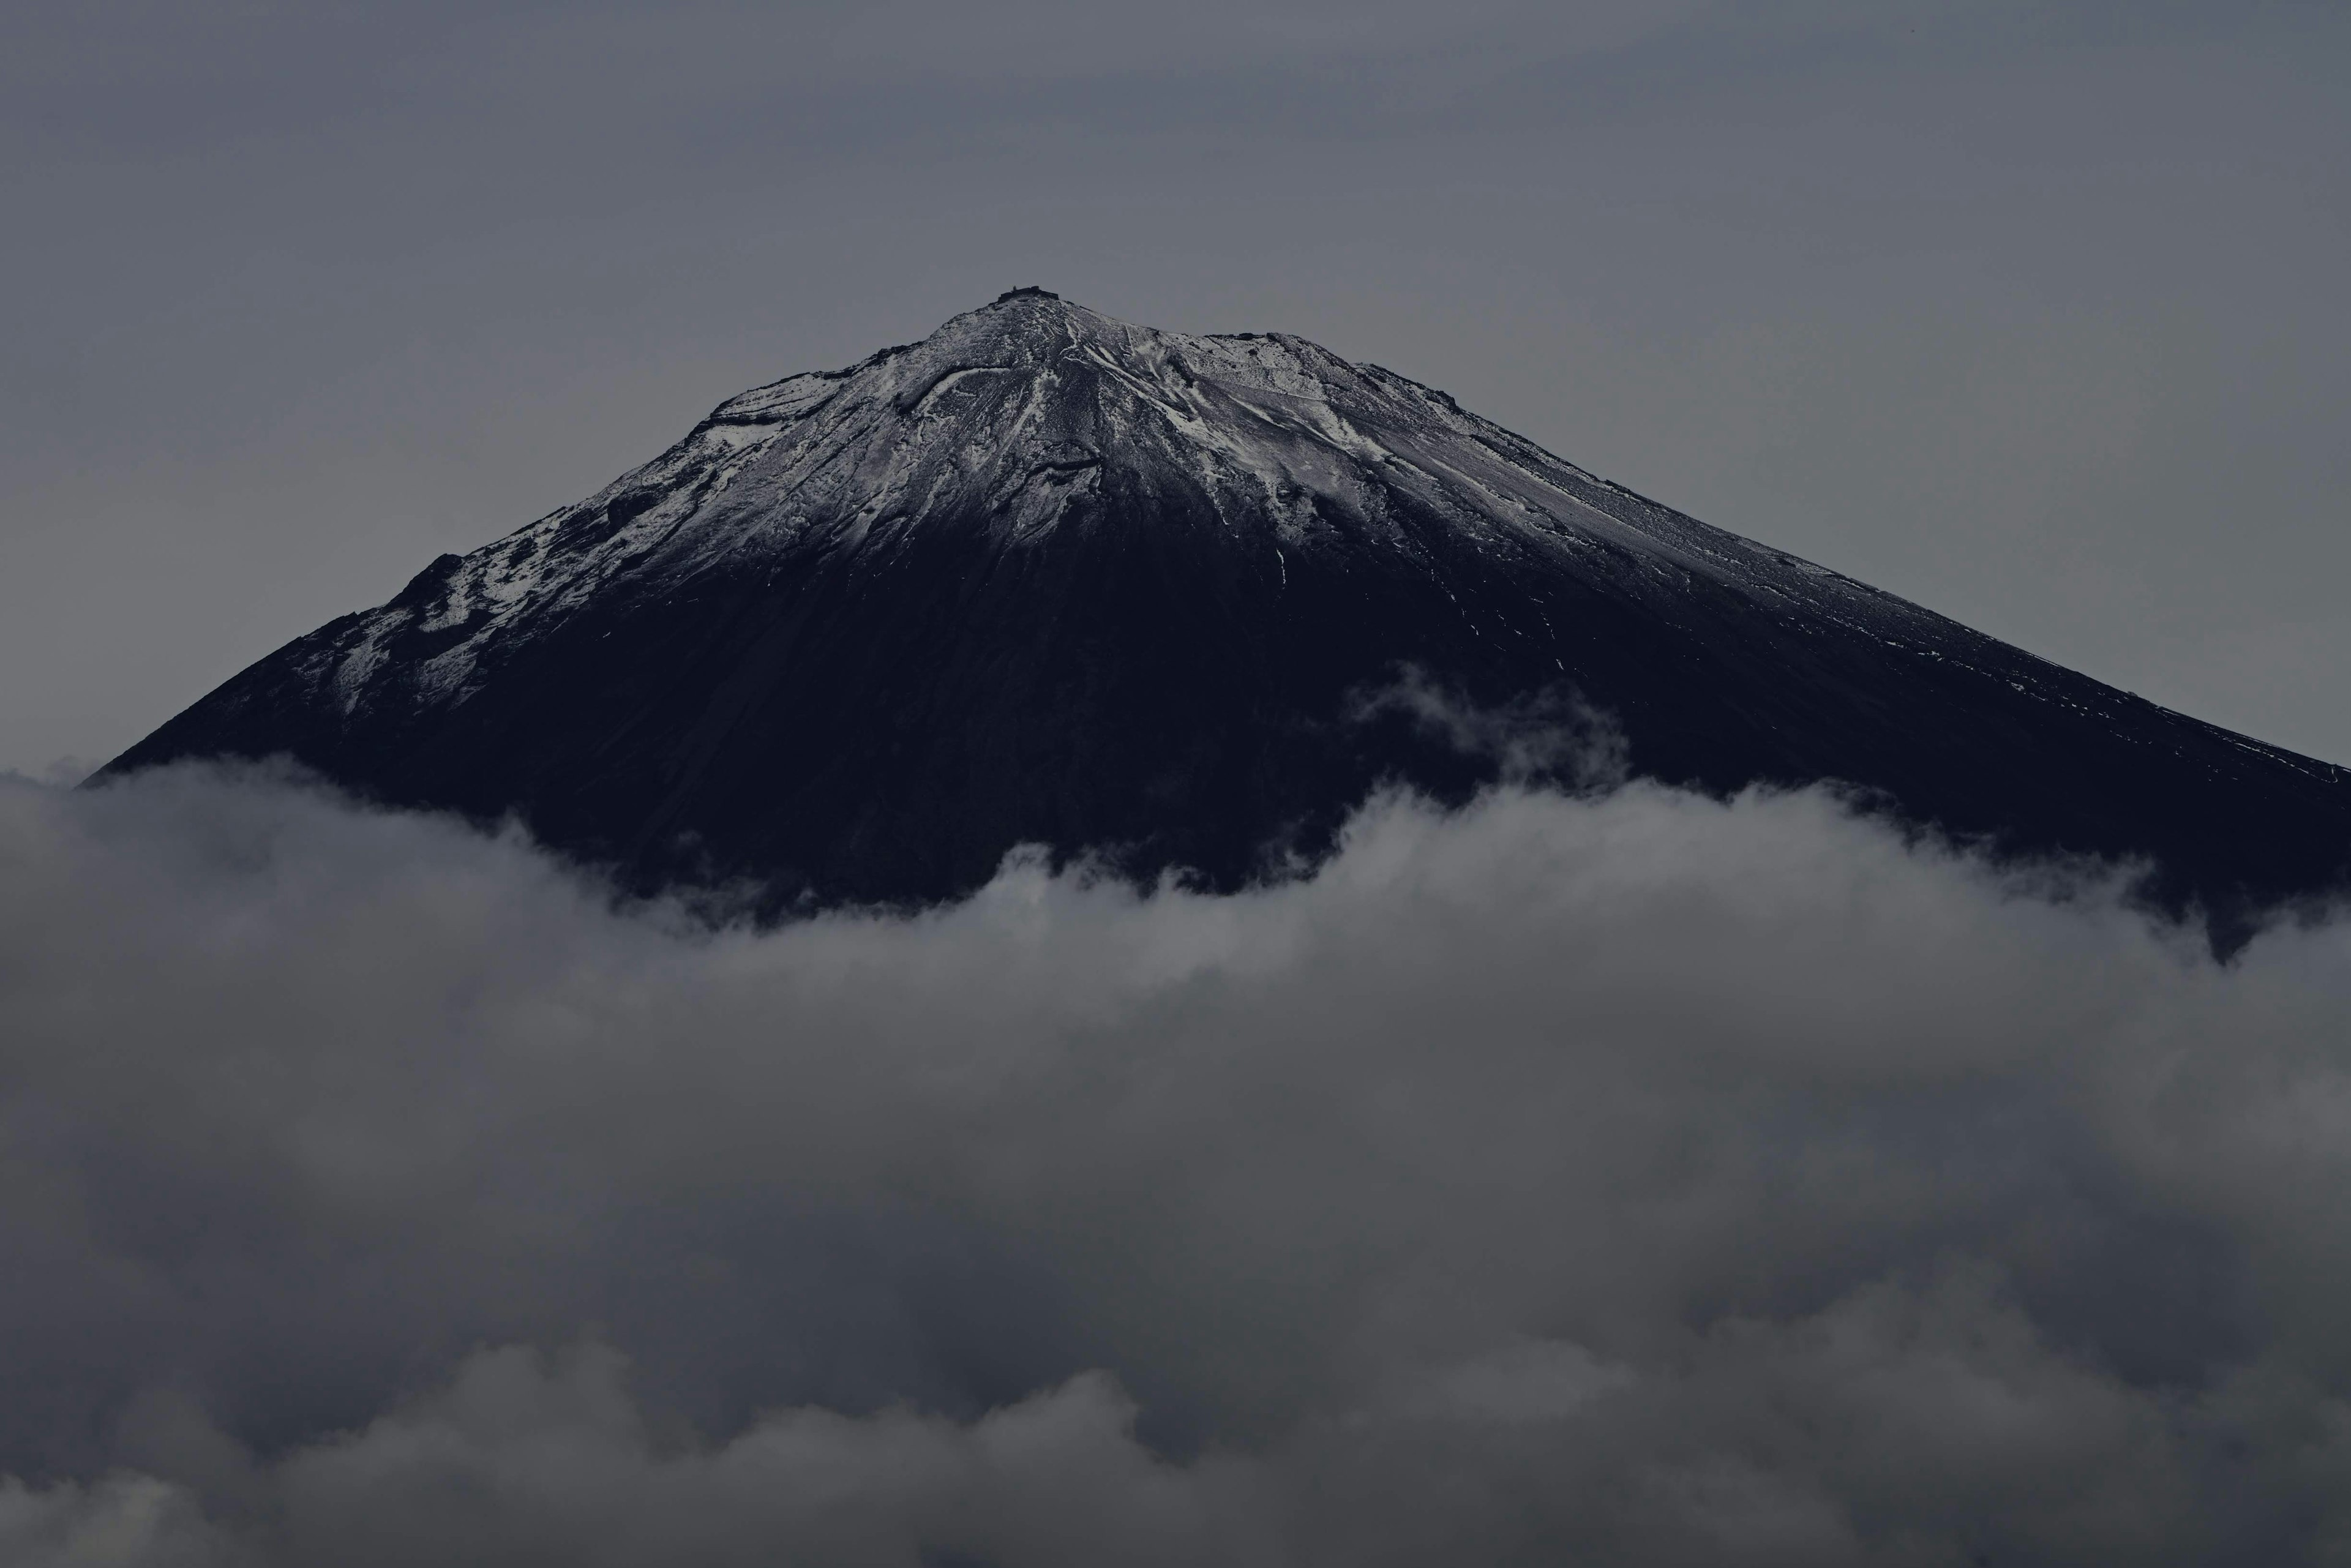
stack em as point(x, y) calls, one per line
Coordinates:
point(1046, 577)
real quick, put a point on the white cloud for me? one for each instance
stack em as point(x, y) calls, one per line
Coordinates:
point(1637, 1179)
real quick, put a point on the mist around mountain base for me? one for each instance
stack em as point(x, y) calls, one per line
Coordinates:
point(1624, 1176)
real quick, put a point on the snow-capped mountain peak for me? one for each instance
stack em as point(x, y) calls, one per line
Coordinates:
point(1048, 576)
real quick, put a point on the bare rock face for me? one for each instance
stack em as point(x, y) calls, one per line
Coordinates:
point(1045, 576)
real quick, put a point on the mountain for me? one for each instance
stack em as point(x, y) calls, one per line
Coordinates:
point(1046, 577)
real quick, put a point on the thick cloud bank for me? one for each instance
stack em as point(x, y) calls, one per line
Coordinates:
point(1637, 1179)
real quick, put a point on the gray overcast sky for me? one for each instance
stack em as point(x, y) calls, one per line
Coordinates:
point(2033, 313)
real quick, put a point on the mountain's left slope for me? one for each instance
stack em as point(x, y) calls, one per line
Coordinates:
point(1046, 577)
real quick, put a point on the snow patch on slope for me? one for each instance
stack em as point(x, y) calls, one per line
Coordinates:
point(1011, 419)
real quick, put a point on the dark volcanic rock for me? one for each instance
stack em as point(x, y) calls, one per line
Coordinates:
point(1046, 577)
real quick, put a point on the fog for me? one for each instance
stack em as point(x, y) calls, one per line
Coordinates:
point(1625, 1176)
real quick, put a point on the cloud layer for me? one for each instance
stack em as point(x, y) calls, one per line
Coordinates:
point(1637, 1179)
